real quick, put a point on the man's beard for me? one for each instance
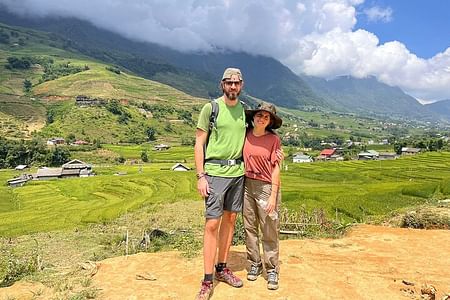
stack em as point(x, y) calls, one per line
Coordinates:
point(232, 95)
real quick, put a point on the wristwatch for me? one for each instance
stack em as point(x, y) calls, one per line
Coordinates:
point(200, 175)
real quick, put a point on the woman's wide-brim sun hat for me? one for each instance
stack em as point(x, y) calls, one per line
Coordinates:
point(270, 108)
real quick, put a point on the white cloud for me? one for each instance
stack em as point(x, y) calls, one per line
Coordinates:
point(316, 37)
point(376, 13)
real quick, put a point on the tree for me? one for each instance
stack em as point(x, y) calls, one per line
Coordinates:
point(398, 147)
point(70, 138)
point(151, 132)
point(58, 156)
point(27, 85)
point(144, 156)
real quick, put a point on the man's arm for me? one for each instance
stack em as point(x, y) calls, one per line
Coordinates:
point(199, 155)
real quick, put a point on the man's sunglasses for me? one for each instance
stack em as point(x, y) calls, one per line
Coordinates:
point(230, 83)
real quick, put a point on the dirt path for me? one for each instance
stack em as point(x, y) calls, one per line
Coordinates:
point(370, 262)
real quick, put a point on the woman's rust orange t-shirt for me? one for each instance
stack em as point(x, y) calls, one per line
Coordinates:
point(260, 155)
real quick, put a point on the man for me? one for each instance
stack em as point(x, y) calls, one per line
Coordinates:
point(220, 173)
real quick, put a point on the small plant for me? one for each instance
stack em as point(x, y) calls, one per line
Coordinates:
point(19, 267)
point(239, 233)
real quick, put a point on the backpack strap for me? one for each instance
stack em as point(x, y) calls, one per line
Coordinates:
point(212, 123)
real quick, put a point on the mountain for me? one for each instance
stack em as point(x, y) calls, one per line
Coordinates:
point(441, 107)
point(195, 73)
point(368, 96)
point(198, 74)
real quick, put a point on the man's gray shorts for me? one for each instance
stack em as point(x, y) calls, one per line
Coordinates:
point(224, 194)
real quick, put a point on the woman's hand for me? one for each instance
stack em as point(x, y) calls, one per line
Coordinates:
point(271, 204)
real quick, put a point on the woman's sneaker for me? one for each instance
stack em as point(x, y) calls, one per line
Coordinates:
point(206, 290)
point(227, 276)
point(272, 280)
point(255, 271)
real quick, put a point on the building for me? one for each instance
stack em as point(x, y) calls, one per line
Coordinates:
point(179, 167)
point(48, 173)
point(387, 156)
point(55, 141)
point(301, 158)
point(161, 147)
point(21, 167)
point(19, 181)
point(368, 155)
point(410, 151)
point(326, 154)
point(74, 168)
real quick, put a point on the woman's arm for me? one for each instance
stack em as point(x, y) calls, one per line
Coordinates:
point(272, 203)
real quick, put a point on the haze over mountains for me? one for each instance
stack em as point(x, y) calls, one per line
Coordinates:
point(198, 74)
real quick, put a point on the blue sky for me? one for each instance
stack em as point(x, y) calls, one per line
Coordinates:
point(422, 25)
point(404, 43)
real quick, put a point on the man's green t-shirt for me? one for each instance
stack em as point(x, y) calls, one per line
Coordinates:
point(226, 140)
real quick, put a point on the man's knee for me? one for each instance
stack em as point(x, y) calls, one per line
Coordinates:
point(212, 225)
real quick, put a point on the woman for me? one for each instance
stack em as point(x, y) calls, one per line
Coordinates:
point(262, 192)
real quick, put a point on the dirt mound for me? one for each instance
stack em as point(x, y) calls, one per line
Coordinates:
point(370, 262)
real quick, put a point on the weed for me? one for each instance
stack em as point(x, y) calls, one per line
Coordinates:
point(312, 224)
point(20, 267)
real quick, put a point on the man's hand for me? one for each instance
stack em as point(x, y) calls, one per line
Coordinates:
point(203, 187)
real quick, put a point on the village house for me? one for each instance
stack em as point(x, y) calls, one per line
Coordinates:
point(326, 154)
point(179, 167)
point(410, 151)
point(387, 156)
point(19, 181)
point(336, 157)
point(80, 142)
point(74, 168)
point(82, 100)
point(161, 147)
point(21, 167)
point(301, 158)
point(368, 155)
point(55, 141)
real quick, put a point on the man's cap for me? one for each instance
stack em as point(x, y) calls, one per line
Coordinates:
point(270, 108)
point(230, 72)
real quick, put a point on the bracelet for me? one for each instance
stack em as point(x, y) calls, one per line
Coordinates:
point(201, 175)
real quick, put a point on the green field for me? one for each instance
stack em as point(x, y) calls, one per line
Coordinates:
point(353, 190)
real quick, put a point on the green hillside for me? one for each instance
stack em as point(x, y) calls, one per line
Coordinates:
point(57, 76)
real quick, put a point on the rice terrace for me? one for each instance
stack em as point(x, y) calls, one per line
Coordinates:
point(98, 185)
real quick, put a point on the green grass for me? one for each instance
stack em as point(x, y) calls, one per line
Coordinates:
point(355, 190)
point(60, 204)
point(358, 189)
point(177, 153)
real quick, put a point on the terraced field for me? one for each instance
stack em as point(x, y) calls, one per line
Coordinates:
point(351, 191)
point(59, 204)
point(354, 190)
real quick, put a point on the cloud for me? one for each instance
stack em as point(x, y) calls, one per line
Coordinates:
point(315, 37)
point(376, 13)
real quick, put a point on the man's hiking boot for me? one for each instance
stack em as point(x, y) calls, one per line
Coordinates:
point(272, 280)
point(227, 276)
point(206, 290)
point(255, 271)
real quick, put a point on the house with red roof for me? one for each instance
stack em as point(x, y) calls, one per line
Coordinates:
point(326, 154)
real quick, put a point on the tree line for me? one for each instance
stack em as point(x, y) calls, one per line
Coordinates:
point(34, 152)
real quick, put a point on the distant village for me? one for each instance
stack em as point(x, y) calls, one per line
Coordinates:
point(335, 154)
point(73, 168)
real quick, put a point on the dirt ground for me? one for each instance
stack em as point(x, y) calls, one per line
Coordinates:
point(370, 262)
